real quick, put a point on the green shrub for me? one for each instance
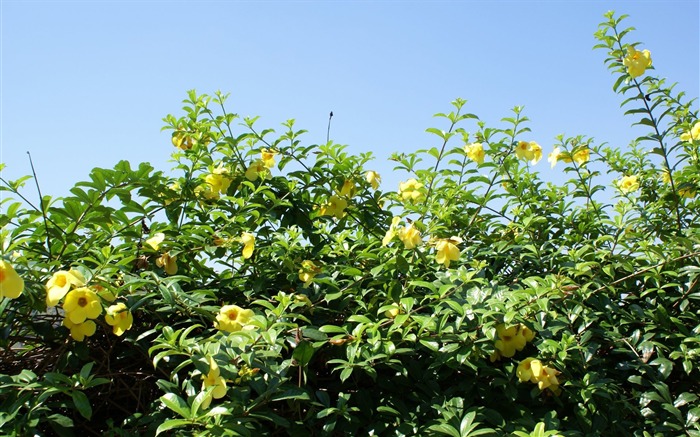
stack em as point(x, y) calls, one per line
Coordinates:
point(268, 287)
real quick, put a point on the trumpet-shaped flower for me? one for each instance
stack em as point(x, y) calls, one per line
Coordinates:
point(693, 134)
point(257, 169)
point(213, 379)
point(80, 330)
point(155, 240)
point(308, 271)
point(536, 152)
point(335, 207)
point(391, 233)
point(447, 250)
point(553, 157)
point(181, 140)
point(475, 152)
point(11, 284)
point(248, 241)
point(218, 181)
point(168, 263)
point(410, 236)
point(373, 178)
point(232, 318)
point(268, 157)
point(522, 151)
point(636, 62)
point(628, 184)
point(411, 190)
point(348, 188)
point(81, 304)
point(532, 370)
point(512, 339)
point(582, 155)
point(120, 318)
point(60, 283)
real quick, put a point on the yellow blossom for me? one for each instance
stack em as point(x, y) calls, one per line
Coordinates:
point(11, 284)
point(181, 140)
point(391, 233)
point(532, 370)
point(523, 151)
point(257, 169)
point(666, 176)
point(80, 304)
point(410, 236)
point(213, 379)
point(373, 179)
point(582, 155)
point(693, 134)
point(232, 318)
point(447, 250)
point(553, 157)
point(218, 182)
point(120, 318)
point(335, 207)
point(392, 312)
point(155, 240)
point(308, 271)
point(512, 339)
point(248, 241)
point(268, 157)
point(80, 330)
point(475, 152)
point(60, 283)
point(348, 188)
point(636, 62)
point(688, 192)
point(168, 263)
point(411, 190)
point(628, 184)
point(536, 151)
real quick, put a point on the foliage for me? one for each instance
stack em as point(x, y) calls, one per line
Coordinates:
point(268, 287)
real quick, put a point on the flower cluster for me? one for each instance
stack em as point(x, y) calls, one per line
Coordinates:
point(529, 151)
point(411, 190)
point(475, 152)
point(510, 340)
point(11, 284)
point(531, 369)
point(260, 168)
point(636, 62)
point(692, 134)
point(628, 184)
point(580, 156)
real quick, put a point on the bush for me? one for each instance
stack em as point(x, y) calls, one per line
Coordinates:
point(268, 287)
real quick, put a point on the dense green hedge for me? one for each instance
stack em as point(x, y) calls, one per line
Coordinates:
point(269, 287)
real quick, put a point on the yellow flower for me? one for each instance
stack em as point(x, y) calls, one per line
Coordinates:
point(582, 155)
point(80, 330)
point(693, 134)
point(410, 236)
point(248, 241)
point(335, 207)
point(155, 240)
point(628, 184)
point(257, 169)
point(268, 157)
point(373, 179)
point(687, 192)
point(475, 152)
point(11, 284)
point(666, 176)
point(232, 318)
point(80, 304)
point(392, 231)
point(120, 318)
point(636, 62)
point(523, 151)
point(181, 140)
point(447, 250)
point(348, 188)
point(536, 151)
point(218, 181)
point(553, 157)
point(308, 271)
point(511, 339)
point(392, 312)
point(168, 263)
point(411, 190)
point(60, 283)
point(525, 372)
point(213, 379)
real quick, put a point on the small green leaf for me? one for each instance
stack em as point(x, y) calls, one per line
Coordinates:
point(82, 403)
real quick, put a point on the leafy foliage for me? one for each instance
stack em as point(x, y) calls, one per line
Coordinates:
point(267, 287)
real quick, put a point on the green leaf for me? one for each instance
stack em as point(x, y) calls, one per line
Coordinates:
point(303, 353)
point(82, 403)
point(172, 424)
point(177, 404)
point(444, 428)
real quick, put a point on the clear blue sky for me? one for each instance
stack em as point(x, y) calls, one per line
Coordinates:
point(87, 83)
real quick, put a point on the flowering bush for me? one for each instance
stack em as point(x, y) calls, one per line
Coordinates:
point(270, 287)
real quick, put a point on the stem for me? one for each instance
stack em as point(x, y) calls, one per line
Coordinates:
point(41, 204)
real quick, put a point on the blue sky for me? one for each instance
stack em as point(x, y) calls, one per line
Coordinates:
point(87, 83)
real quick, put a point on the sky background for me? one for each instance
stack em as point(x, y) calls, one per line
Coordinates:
point(87, 83)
